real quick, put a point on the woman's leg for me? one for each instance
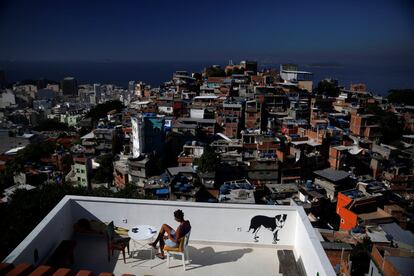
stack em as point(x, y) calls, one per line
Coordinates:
point(162, 244)
point(165, 228)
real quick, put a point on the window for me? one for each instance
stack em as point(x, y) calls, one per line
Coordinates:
point(77, 170)
point(83, 171)
point(79, 178)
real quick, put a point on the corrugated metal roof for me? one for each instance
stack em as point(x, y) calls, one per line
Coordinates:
point(404, 265)
point(332, 175)
point(398, 234)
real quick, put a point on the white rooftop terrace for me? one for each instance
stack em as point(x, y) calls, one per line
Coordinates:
point(220, 243)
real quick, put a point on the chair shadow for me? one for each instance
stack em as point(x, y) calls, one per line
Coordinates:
point(207, 256)
point(97, 262)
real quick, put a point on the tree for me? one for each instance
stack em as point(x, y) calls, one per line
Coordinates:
point(198, 76)
point(208, 161)
point(6, 179)
point(235, 71)
point(18, 119)
point(27, 208)
point(391, 127)
point(327, 88)
point(360, 257)
point(401, 96)
point(31, 153)
point(104, 174)
point(129, 191)
point(214, 72)
point(101, 110)
point(51, 125)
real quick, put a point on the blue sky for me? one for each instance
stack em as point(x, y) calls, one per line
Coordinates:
point(306, 31)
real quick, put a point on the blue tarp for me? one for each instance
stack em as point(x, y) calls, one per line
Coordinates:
point(163, 191)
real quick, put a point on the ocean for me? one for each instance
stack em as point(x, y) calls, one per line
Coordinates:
point(378, 78)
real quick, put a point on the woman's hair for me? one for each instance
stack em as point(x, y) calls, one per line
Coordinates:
point(179, 214)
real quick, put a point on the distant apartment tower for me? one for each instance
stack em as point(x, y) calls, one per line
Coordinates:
point(97, 92)
point(131, 86)
point(147, 133)
point(69, 86)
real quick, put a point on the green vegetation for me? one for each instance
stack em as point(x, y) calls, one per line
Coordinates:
point(27, 208)
point(214, 72)
point(327, 88)
point(235, 71)
point(51, 125)
point(32, 153)
point(101, 110)
point(104, 174)
point(391, 127)
point(208, 161)
point(18, 119)
point(360, 256)
point(401, 96)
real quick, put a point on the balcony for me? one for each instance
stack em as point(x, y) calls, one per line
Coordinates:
point(220, 243)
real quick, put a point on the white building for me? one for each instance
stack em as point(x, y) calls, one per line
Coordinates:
point(290, 73)
point(7, 99)
point(137, 136)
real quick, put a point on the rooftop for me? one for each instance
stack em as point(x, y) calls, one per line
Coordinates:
point(397, 234)
point(220, 242)
point(183, 169)
point(205, 258)
point(404, 265)
point(332, 175)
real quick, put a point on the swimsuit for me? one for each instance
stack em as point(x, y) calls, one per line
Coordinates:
point(169, 242)
point(184, 231)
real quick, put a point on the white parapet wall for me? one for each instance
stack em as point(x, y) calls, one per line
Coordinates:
point(308, 248)
point(211, 222)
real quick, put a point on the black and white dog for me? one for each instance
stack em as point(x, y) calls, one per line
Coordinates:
point(273, 224)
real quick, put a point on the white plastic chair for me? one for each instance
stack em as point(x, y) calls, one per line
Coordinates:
point(181, 250)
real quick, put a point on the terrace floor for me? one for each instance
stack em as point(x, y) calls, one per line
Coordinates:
point(206, 259)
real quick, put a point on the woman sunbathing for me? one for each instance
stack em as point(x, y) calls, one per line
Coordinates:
point(170, 237)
